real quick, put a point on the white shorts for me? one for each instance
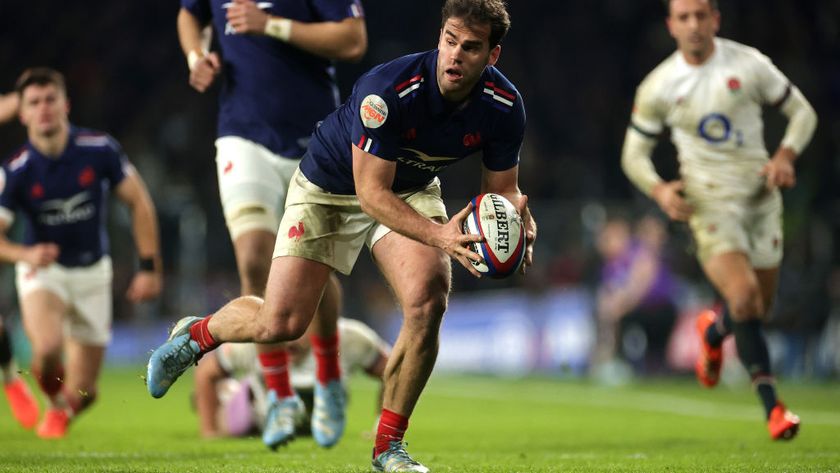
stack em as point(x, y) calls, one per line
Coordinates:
point(751, 227)
point(86, 291)
point(253, 183)
point(331, 228)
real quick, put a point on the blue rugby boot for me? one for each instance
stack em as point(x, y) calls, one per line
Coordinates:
point(396, 459)
point(328, 419)
point(282, 417)
point(172, 358)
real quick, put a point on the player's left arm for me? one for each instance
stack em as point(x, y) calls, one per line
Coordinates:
point(148, 280)
point(802, 120)
point(343, 40)
point(506, 183)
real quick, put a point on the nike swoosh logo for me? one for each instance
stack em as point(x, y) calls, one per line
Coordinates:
point(426, 158)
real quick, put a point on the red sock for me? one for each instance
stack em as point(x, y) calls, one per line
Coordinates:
point(51, 380)
point(392, 427)
point(275, 369)
point(326, 358)
point(201, 334)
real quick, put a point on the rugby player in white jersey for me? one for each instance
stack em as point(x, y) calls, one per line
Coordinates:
point(230, 394)
point(710, 93)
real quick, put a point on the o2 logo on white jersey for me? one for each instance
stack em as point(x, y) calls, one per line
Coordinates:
point(716, 128)
point(228, 28)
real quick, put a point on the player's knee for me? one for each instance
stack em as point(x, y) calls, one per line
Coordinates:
point(280, 325)
point(425, 314)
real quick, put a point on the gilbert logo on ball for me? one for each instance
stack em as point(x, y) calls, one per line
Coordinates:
point(497, 220)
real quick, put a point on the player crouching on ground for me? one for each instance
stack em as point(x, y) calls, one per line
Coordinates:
point(231, 396)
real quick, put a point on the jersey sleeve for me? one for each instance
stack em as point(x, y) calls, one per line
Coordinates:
point(116, 165)
point(199, 9)
point(375, 122)
point(502, 149)
point(772, 83)
point(337, 10)
point(647, 117)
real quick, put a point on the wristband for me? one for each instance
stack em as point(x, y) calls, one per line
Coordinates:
point(193, 57)
point(280, 28)
point(146, 264)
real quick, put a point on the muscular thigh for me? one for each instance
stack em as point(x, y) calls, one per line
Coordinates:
point(752, 227)
point(416, 272)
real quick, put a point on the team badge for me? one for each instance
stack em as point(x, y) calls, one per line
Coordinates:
point(374, 111)
point(733, 84)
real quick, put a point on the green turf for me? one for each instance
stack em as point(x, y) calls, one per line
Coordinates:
point(461, 425)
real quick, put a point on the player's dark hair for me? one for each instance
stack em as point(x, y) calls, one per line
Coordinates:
point(667, 4)
point(492, 12)
point(40, 76)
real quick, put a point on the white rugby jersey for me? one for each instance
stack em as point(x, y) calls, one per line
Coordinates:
point(714, 112)
point(359, 348)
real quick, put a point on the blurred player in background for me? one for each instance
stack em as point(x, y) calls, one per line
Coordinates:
point(60, 181)
point(230, 394)
point(279, 82)
point(21, 401)
point(710, 93)
point(370, 177)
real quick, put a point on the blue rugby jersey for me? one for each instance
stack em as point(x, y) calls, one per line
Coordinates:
point(64, 200)
point(396, 112)
point(273, 93)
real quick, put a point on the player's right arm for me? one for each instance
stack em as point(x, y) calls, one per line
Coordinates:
point(38, 255)
point(194, 38)
point(208, 372)
point(646, 122)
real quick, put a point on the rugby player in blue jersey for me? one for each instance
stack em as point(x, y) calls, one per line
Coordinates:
point(369, 178)
point(59, 181)
point(276, 61)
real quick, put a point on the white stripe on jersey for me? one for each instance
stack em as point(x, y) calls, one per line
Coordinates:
point(497, 98)
point(408, 90)
point(91, 140)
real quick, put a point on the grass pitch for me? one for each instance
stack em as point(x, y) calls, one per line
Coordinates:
point(461, 425)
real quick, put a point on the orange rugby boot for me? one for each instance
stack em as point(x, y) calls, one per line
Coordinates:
point(23, 403)
point(710, 359)
point(783, 424)
point(54, 424)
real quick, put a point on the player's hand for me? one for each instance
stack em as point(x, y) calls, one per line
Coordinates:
point(454, 242)
point(204, 71)
point(145, 286)
point(779, 171)
point(670, 199)
point(530, 227)
point(41, 255)
point(244, 16)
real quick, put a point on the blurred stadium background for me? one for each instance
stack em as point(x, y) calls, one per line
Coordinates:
point(576, 65)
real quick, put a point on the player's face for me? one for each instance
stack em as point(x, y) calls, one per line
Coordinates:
point(693, 24)
point(44, 109)
point(463, 53)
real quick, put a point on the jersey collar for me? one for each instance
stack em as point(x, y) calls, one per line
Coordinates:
point(71, 140)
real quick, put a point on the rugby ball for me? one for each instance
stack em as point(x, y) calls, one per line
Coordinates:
point(503, 248)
